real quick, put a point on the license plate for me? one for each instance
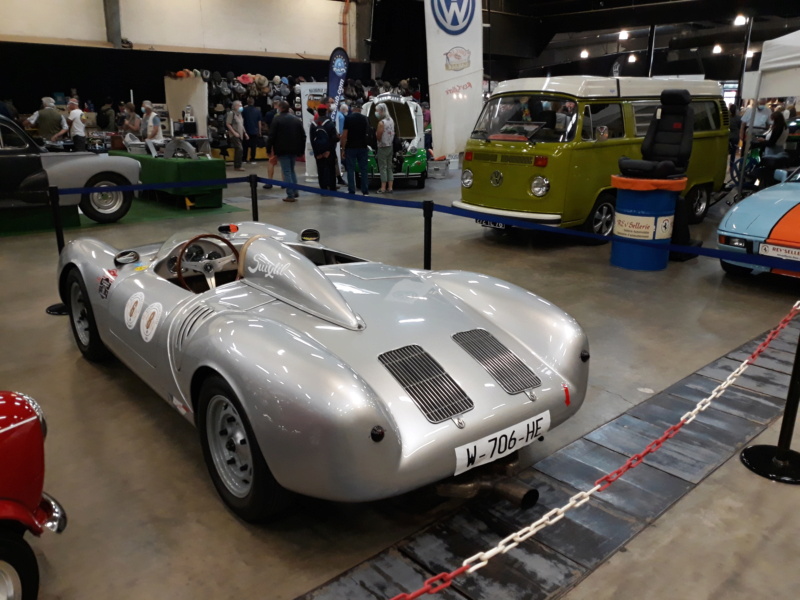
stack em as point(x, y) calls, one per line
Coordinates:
point(490, 224)
point(779, 251)
point(501, 443)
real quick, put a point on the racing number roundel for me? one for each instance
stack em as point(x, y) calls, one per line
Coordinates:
point(150, 320)
point(133, 308)
point(453, 16)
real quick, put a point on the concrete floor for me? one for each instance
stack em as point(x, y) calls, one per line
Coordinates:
point(145, 520)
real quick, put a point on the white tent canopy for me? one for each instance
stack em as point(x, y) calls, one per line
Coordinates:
point(779, 72)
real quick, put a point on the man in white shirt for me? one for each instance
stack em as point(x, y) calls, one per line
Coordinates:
point(760, 122)
point(151, 123)
point(77, 128)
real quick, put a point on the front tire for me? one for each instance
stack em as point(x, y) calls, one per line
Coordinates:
point(233, 457)
point(81, 318)
point(19, 571)
point(106, 207)
point(421, 181)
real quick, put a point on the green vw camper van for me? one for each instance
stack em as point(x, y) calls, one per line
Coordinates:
point(544, 149)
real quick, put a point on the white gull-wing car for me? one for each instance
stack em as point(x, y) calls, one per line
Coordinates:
point(311, 370)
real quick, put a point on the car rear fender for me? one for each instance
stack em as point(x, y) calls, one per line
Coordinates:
point(77, 173)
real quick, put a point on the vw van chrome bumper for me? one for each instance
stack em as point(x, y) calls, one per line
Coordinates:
point(546, 218)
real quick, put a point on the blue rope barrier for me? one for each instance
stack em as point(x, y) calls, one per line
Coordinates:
point(344, 195)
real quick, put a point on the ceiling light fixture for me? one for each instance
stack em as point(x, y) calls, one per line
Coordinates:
point(631, 58)
point(717, 49)
point(750, 54)
point(740, 20)
point(623, 35)
point(584, 54)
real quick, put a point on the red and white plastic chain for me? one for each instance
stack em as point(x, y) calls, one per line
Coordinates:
point(481, 559)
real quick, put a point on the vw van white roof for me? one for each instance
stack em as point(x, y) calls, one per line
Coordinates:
point(584, 86)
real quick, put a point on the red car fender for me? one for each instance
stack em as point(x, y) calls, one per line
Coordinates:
point(14, 511)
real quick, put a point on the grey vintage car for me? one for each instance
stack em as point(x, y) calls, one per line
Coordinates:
point(306, 369)
point(27, 169)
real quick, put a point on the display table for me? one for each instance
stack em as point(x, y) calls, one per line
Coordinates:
point(169, 170)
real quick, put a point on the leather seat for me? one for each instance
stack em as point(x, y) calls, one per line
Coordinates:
point(667, 146)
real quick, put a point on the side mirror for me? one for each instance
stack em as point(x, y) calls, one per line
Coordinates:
point(781, 175)
point(601, 133)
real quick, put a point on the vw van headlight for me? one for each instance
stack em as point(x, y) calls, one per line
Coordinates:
point(412, 149)
point(540, 186)
point(466, 178)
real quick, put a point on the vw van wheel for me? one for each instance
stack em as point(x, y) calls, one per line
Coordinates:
point(698, 204)
point(735, 270)
point(106, 207)
point(233, 457)
point(81, 318)
point(601, 219)
point(19, 572)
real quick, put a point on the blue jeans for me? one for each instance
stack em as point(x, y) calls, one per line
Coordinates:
point(353, 157)
point(289, 176)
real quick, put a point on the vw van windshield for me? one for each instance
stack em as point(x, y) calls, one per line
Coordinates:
point(527, 118)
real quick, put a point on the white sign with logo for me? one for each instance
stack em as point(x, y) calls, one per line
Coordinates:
point(643, 228)
point(311, 95)
point(454, 32)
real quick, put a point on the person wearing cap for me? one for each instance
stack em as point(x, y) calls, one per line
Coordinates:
point(287, 140)
point(77, 126)
point(354, 144)
point(326, 157)
point(133, 122)
point(151, 123)
point(236, 133)
point(49, 120)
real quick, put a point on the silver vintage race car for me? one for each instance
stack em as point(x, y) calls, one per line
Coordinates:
point(27, 169)
point(311, 370)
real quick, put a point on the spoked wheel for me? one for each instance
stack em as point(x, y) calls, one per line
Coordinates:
point(81, 318)
point(233, 456)
point(19, 572)
point(601, 219)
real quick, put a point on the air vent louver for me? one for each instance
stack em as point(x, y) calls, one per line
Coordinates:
point(502, 364)
point(196, 317)
point(434, 392)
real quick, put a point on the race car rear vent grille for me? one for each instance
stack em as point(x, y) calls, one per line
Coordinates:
point(504, 366)
point(434, 392)
point(196, 317)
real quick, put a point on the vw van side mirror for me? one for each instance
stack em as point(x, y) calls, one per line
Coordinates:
point(781, 175)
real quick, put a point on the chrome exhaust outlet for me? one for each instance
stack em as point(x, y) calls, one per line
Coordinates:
point(513, 490)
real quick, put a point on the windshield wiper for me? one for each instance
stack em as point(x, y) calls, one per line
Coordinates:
point(483, 132)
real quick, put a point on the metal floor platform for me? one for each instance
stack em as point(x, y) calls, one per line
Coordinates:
point(557, 558)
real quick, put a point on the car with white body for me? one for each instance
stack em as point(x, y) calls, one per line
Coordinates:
point(27, 170)
point(311, 370)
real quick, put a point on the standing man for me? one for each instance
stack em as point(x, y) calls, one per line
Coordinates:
point(760, 121)
point(252, 128)
point(385, 135)
point(354, 144)
point(323, 142)
point(50, 122)
point(271, 158)
point(234, 123)
point(106, 117)
point(77, 127)
point(151, 124)
point(287, 139)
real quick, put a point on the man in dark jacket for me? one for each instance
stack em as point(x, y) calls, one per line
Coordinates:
point(354, 143)
point(287, 140)
point(323, 142)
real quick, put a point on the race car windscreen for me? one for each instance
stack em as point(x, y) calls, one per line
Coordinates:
point(527, 118)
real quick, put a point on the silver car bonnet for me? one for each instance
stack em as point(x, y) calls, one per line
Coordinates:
point(270, 266)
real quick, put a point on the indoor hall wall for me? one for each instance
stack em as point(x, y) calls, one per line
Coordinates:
point(309, 27)
point(82, 20)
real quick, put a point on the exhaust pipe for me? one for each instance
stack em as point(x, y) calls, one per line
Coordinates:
point(513, 490)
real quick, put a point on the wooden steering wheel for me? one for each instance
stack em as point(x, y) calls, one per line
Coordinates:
point(208, 267)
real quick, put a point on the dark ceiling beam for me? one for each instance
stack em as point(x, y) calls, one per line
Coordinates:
point(732, 35)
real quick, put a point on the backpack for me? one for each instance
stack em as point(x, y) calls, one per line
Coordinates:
point(103, 119)
point(320, 140)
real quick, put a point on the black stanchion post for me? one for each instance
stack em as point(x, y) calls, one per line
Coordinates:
point(254, 194)
point(780, 463)
point(427, 213)
point(53, 197)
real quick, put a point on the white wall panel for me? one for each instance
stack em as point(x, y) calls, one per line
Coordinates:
point(60, 19)
point(272, 26)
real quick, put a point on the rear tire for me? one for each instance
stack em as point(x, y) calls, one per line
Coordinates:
point(601, 218)
point(233, 456)
point(110, 206)
point(698, 200)
point(19, 571)
point(81, 318)
point(735, 270)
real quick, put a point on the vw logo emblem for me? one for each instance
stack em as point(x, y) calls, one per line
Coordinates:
point(453, 16)
point(496, 179)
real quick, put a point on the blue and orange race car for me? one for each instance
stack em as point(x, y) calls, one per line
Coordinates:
point(767, 224)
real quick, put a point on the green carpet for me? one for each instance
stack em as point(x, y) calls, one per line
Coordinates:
point(142, 210)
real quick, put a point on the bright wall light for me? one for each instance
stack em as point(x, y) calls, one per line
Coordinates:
point(584, 54)
point(623, 35)
point(631, 58)
point(740, 20)
point(717, 49)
